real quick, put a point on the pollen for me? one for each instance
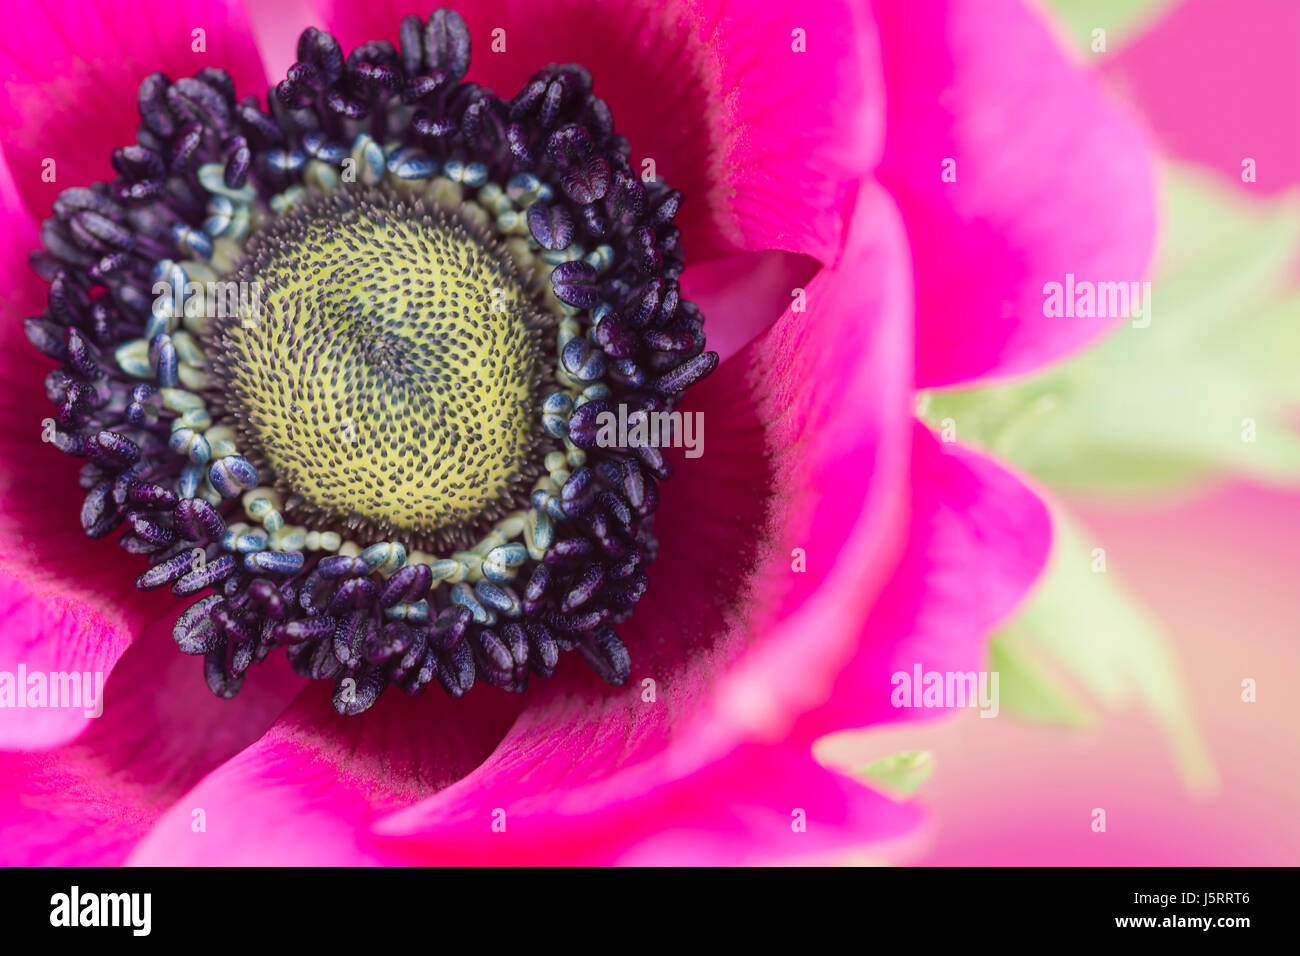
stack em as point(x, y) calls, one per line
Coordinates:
point(386, 369)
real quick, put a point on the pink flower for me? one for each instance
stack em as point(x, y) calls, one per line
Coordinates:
point(920, 170)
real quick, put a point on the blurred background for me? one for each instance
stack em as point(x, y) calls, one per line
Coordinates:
point(1171, 459)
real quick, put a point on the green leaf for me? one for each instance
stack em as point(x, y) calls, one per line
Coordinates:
point(1121, 19)
point(903, 773)
point(1173, 403)
point(1080, 622)
point(1028, 688)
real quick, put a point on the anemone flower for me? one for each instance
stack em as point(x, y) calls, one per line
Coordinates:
point(388, 461)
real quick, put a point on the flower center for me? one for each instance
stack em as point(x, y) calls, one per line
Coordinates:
point(386, 461)
point(387, 376)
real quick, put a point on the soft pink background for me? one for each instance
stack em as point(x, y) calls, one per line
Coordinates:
point(1221, 574)
point(1219, 80)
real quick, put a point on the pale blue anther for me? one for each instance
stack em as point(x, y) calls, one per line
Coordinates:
point(162, 319)
point(251, 541)
point(162, 356)
point(221, 210)
point(583, 362)
point(193, 242)
point(555, 509)
point(497, 598)
point(463, 595)
point(454, 169)
point(192, 445)
point(556, 409)
point(191, 478)
point(600, 258)
point(373, 161)
point(327, 152)
point(410, 163)
point(417, 612)
point(232, 475)
point(387, 555)
point(275, 562)
point(543, 529)
point(286, 161)
point(543, 500)
point(502, 563)
point(523, 187)
point(445, 568)
point(418, 167)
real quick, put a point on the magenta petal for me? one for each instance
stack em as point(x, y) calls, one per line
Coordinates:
point(977, 540)
point(306, 792)
point(71, 69)
point(833, 394)
point(89, 802)
point(1050, 180)
point(756, 804)
point(742, 295)
point(45, 634)
point(767, 143)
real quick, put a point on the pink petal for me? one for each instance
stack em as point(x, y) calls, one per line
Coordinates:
point(977, 540)
point(277, 27)
point(1051, 180)
point(743, 808)
point(161, 730)
point(767, 144)
point(71, 69)
point(306, 792)
point(47, 634)
point(1213, 78)
point(741, 295)
point(833, 395)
